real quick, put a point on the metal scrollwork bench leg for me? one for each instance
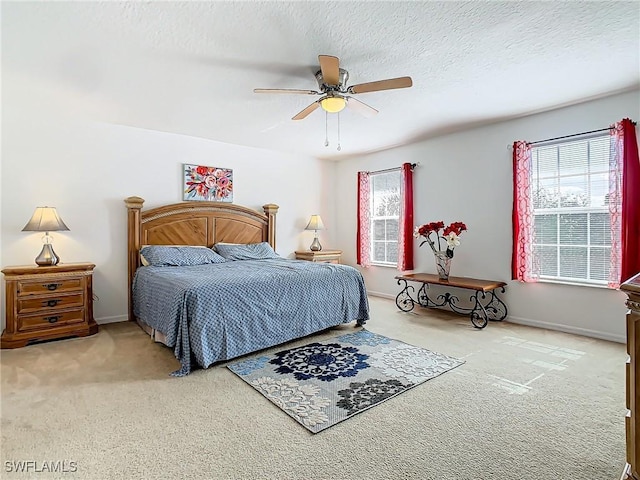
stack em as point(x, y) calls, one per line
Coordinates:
point(478, 313)
point(496, 309)
point(404, 301)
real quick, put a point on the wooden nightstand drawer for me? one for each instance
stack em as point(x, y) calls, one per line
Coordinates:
point(51, 302)
point(49, 320)
point(36, 287)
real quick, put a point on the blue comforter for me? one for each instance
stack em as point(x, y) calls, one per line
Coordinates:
point(216, 312)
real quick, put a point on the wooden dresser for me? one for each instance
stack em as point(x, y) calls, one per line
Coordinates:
point(632, 425)
point(44, 303)
point(324, 256)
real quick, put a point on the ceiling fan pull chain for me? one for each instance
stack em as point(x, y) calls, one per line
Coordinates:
point(339, 148)
point(326, 129)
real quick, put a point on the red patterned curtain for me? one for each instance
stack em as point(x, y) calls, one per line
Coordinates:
point(522, 261)
point(405, 230)
point(615, 205)
point(363, 233)
point(624, 203)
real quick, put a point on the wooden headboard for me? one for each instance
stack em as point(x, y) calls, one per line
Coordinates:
point(193, 223)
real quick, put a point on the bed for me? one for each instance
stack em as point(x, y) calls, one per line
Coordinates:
point(213, 311)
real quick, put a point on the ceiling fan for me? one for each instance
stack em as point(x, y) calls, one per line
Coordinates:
point(335, 94)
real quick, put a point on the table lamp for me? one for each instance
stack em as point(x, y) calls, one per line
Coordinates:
point(46, 219)
point(315, 224)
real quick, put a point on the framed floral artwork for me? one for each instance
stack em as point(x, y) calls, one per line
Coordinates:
point(207, 184)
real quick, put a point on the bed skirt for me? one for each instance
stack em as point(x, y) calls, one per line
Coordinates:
point(155, 335)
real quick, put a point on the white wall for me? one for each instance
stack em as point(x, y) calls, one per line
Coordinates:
point(86, 169)
point(54, 154)
point(467, 177)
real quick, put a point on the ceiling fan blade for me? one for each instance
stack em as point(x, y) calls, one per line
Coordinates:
point(285, 90)
point(306, 111)
point(361, 107)
point(330, 68)
point(389, 84)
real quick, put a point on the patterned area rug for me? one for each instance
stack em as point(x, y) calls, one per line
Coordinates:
point(321, 384)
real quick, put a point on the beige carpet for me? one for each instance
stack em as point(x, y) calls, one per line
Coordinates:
point(527, 404)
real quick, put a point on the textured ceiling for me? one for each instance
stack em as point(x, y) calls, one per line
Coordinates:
point(191, 67)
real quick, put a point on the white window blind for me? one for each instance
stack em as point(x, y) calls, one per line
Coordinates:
point(570, 185)
point(385, 214)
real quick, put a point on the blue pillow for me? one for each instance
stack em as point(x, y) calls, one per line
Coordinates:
point(250, 251)
point(165, 255)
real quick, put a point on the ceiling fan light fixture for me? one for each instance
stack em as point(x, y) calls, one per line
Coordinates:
point(333, 104)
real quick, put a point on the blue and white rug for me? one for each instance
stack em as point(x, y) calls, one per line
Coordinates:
point(321, 384)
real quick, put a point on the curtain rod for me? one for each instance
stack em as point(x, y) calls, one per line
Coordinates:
point(569, 136)
point(413, 165)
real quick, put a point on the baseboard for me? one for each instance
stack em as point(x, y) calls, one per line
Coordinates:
point(585, 332)
point(380, 294)
point(116, 319)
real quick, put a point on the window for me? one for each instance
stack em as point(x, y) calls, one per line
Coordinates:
point(572, 229)
point(384, 234)
point(385, 214)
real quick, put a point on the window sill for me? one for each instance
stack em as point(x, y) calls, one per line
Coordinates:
point(573, 284)
point(387, 265)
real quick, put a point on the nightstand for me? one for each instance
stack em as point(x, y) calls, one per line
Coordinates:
point(45, 303)
point(323, 256)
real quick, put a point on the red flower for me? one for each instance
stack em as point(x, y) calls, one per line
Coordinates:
point(441, 232)
point(455, 227)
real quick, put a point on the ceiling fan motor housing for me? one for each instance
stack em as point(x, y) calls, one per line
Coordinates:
point(344, 76)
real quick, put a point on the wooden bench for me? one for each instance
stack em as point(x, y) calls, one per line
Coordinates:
point(485, 304)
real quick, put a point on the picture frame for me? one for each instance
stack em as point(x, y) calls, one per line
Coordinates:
point(202, 183)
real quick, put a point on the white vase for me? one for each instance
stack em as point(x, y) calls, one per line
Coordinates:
point(443, 264)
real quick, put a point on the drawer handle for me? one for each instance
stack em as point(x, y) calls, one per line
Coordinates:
point(50, 303)
point(51, 286)
point(53, 319)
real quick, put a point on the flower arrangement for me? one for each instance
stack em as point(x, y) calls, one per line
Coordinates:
point(449, 234)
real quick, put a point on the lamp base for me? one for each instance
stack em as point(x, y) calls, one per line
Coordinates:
point(47, 256)
point(315, 246)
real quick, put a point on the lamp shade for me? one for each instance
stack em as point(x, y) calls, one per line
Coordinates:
point(315, 223)
point(45, 219)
